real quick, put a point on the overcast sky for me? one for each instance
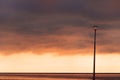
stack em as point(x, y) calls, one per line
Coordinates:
point(63, 26)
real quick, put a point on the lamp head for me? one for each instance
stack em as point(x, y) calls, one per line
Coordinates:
point(95, 27)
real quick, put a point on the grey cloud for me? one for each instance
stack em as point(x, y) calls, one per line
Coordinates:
point(94, 10)
point(29, 26)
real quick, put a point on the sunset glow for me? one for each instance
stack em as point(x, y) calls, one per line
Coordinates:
point(57, 35)
point(51, 63)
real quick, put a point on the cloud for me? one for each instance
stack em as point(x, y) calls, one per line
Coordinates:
point(62, 26)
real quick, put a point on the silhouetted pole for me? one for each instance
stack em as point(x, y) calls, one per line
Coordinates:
point(94, 60)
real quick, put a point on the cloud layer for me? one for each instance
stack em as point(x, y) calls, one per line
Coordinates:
point(62, 26)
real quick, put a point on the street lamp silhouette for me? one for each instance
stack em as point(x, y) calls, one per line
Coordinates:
point(94, 59)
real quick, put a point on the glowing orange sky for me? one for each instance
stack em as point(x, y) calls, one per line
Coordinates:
point(57, 35)
point(54, 63)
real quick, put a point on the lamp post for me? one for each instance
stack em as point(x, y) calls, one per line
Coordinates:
point(94, 59)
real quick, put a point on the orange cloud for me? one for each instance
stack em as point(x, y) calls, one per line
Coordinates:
point(28, 27)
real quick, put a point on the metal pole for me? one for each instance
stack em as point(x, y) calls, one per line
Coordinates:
point(94, 60)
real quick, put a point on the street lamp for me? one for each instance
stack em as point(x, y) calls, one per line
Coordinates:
point(94, 59)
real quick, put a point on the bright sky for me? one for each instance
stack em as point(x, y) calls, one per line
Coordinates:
point(54, 63)
point(59, 34)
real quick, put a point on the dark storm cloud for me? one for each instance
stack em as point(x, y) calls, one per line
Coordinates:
point(58, 25)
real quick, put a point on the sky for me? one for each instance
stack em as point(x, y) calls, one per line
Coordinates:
point(57, 35)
